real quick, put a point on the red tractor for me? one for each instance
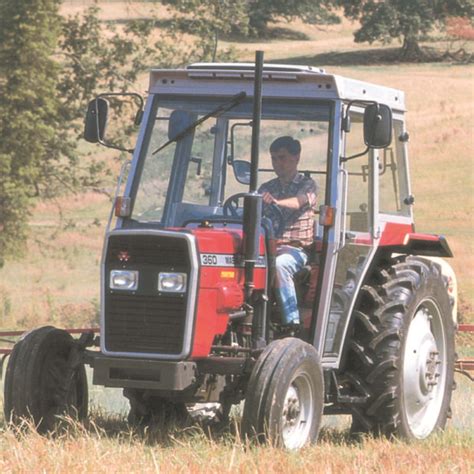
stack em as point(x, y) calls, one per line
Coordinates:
point(188, 312)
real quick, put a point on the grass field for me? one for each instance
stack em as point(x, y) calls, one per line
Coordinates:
point(57, 282)
point(106, 444)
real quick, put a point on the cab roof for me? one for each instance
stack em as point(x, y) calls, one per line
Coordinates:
point(279, 81)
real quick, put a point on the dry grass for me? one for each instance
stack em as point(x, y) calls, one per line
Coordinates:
point(106, 444)
point(98, 453)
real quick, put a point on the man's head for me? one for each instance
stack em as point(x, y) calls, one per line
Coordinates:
point(285, 153)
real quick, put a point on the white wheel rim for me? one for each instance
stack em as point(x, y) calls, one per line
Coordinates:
point(298, 412)
point(424, 369)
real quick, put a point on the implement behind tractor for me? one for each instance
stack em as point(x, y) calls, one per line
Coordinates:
point(188, 310)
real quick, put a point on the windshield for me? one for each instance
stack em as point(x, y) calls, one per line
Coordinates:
point(192, 177)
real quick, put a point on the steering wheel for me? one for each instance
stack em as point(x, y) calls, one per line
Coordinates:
point(274, 213)
point(270, 211)
point(232, 204)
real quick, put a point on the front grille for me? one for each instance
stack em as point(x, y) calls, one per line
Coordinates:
point(144, 324)
point(145, 321)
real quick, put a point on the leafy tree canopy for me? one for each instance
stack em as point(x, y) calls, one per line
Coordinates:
point(263, 12)
point(49, 68)
point(250, 17)
point(30, 111)
point(407, 20)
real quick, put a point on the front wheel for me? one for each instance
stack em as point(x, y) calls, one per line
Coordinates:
point(285, 395)
point(45, 380)
point(402, 350)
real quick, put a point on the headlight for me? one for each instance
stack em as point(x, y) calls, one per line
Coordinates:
point(124, 280)
point(172, 282)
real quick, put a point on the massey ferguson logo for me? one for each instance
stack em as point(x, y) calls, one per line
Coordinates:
point(123, 256)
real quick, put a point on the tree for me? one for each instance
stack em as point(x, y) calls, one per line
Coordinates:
point(263, 12)
point(407, 20)
point(208, 21)
point(49, 68)
point(30, 144)
point(212, 18)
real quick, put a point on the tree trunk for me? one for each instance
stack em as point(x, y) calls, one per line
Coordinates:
point(411, 50)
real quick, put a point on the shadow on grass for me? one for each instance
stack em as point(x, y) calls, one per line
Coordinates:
point(173, 432)
point(269, 35)
point(365, 57)
point(187, 25)
point(164, 433)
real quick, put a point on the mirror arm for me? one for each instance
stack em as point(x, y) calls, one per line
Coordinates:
point(347, 158)
point(115, 147)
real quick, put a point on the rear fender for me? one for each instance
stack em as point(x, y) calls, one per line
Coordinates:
point(431, 247)
point(426, 245)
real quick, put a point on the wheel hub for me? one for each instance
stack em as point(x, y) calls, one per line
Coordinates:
point(423, 369)
point(427, 363)
point(291, 410)
point(298, 412)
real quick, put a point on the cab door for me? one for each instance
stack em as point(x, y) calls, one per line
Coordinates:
point(352, 244)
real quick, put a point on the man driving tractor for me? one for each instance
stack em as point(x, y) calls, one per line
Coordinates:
point(295, 194)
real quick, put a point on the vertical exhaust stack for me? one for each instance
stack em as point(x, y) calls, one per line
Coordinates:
point(253, 200)
point(255, 302)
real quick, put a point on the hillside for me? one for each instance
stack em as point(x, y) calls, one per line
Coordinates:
point(58, 280)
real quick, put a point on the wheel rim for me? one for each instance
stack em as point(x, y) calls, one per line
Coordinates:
point(424, 369)
point(298, 410)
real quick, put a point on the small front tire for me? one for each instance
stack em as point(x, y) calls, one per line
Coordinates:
point(285, 395)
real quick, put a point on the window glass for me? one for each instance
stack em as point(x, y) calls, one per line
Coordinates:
point(357, 215)
point(199, 172)
point(193, 176)
point(393, 188)
point(313, 136)
point(151, 195)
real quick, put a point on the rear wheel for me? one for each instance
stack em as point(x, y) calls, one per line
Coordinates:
point(45, 380)
point(285, 395)
point(402, 350)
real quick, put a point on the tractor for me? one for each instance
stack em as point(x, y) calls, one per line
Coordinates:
point(188, 313)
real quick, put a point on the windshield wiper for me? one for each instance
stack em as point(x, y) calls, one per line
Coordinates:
point(236, 100)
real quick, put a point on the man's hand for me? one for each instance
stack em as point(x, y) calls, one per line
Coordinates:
point(268, 198)
point(294, 203)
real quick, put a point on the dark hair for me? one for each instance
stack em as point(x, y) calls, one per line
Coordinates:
point(289, 143)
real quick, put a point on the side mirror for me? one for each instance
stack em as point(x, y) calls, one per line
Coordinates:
point(96, 120)
point(241, 171)
point(179, 121)
point(377, 126)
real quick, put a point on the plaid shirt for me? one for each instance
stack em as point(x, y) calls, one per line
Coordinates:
point(299, 224)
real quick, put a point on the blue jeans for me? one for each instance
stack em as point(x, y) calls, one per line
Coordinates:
point(289, 260)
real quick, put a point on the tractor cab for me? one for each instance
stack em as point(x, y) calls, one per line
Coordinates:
point(193, 165)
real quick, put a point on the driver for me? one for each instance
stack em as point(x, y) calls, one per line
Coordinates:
point(295, 194)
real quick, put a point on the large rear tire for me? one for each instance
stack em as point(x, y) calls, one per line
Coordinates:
point(45, 380)
point(285, 395)
point(402, 350)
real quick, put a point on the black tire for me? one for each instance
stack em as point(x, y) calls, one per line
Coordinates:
point(285, 395)
point(402, 338)
point(45, 380)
